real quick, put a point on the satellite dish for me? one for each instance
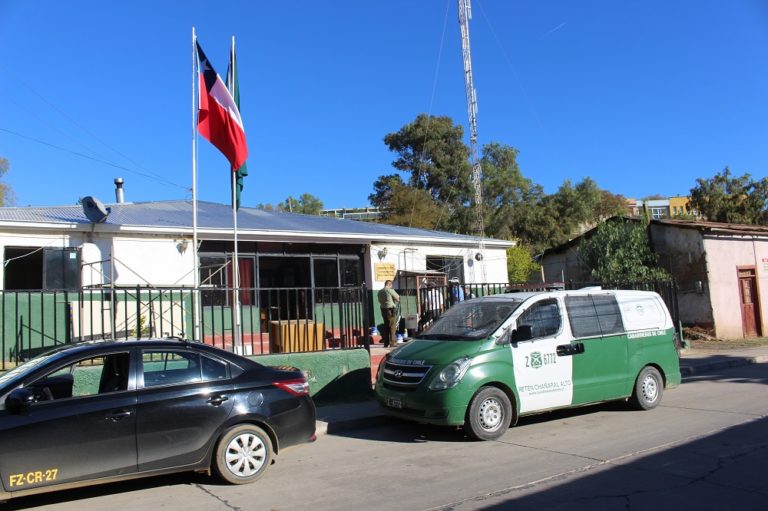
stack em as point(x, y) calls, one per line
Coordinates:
point(94, 210)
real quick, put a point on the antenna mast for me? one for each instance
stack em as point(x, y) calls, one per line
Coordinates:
point(465, 14)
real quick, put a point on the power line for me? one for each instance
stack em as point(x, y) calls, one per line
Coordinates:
point(88, 157)
point(147, 173)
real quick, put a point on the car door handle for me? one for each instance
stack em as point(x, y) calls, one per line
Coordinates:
point(216, 400)
point(565, 350)
point(119, 415)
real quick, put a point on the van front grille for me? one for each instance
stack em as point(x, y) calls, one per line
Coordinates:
point(403, 375)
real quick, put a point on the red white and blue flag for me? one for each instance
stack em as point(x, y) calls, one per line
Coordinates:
point(218, 118)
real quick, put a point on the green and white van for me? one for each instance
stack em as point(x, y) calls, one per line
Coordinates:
point(488, 361)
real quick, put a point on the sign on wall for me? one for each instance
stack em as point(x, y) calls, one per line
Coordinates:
point(384, 271)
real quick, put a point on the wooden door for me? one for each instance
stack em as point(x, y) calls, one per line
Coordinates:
point(750, 307)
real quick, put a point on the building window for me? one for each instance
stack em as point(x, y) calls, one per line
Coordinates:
point(351, 271)
point(326, 272)
point(49, 269)
point(452, 266)
point(216, 279)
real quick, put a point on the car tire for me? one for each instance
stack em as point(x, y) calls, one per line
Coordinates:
point(649, 387)
point(243, 454)
point(489, 414)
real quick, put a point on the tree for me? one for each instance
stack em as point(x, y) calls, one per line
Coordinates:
point(430, 150)
point(619, 251)
point(520, 264)
point(383, 189)
point(737, 200)
point(306, 204)
point(544, 221)
point(411, 207)
point(506, 192)
point(7, 197)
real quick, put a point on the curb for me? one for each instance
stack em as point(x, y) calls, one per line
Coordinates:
point(692, 369)
point(343, 426)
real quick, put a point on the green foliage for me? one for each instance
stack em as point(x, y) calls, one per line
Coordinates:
point(520, 264)
point(544, 221)
point(7, 196)
point(411, 207)
point(141, 327)
point(506, 192)
point(431, 152)
point(737, 200)
point(383, 189)
point(619, 251)
point(306, 204)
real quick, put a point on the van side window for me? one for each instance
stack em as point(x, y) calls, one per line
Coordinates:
point(608, 314)
point(544, 318)
point(592, 316)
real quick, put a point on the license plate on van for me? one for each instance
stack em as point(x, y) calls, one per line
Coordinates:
point(394, 402)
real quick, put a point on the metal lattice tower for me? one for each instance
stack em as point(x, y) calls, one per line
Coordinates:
point(465, 14)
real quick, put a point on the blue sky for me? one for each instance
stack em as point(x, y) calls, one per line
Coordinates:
point(641, 96)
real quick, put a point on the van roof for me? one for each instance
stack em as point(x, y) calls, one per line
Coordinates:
point(522, 296)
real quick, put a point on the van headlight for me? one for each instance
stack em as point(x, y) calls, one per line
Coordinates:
point(451, 374)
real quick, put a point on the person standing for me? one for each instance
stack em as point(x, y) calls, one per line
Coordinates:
point(457, 292)
point(388, 300)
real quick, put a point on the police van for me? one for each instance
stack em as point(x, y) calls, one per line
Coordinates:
point(489, 361)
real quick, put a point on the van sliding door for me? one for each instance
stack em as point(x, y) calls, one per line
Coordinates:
point(600, 370)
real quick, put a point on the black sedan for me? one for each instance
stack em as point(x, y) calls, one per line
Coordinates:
point(104, 411)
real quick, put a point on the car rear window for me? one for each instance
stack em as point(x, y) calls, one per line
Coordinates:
point(169, 367)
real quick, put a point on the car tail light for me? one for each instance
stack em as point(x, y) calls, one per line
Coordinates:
point(297, 387)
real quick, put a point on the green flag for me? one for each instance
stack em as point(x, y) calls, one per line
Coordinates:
point(234, 88)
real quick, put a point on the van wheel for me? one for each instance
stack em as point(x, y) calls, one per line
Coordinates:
point(648, 389)
point(243, 454)
point(489, 414)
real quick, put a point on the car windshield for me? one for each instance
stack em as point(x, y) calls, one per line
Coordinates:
point(471, 320)
point(25, 368)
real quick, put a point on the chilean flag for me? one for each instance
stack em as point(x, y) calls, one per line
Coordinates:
point(218, 118)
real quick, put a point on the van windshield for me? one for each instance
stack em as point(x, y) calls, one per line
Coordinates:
point(471, 320)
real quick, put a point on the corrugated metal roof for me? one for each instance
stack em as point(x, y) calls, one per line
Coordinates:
point(165, 214)
point(714, 226)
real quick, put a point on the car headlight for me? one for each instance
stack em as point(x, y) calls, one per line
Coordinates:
point(451, 374)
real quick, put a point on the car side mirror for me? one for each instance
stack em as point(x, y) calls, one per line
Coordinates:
point(505, 337)
point(522, 333)
point(18, 400)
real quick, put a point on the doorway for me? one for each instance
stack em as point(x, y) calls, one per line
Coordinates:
point(750, 305)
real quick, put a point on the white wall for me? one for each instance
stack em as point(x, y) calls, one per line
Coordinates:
point(724, 256)
point(492, 269)
point(160, 262)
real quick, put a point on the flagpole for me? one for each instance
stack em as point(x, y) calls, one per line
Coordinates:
point(236, 263)
point(196, 270)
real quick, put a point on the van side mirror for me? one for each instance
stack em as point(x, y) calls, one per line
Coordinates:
point(522, 333)
point(18, 400)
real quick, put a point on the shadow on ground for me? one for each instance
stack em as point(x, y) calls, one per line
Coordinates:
point(721, 471)
point(87, 492)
